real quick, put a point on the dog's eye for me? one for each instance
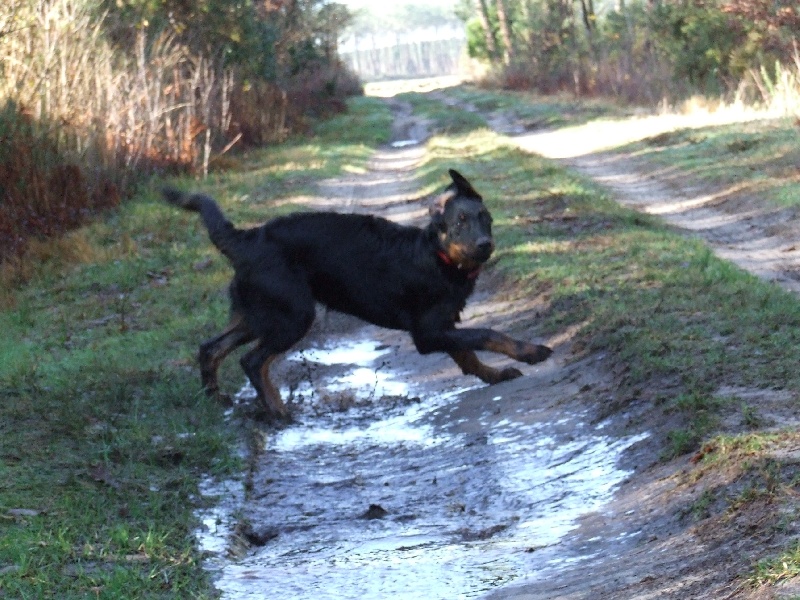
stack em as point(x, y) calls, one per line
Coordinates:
point(462, 217)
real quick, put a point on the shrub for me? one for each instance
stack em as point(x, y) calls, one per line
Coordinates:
point(42, 191)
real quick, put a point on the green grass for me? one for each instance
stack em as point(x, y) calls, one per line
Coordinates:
point(757, 157)
point(104, 433)
point(444, 119)
point(532, 112)
point(778, 568)
point(763, 478)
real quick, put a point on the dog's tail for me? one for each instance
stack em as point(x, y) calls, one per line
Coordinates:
point(221, 231)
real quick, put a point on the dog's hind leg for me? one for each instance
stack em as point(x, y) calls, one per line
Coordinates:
point(256, 365)
point(471, 365)
point(213, 352)
point(279, 326)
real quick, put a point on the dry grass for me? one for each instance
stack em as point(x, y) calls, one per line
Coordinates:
point(82, 122)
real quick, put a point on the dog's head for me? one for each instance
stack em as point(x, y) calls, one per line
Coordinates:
point(462, 224)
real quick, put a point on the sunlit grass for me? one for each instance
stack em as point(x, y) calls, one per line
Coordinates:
point(758, 158)
point(535, 111)
point(778, 568)
point(443, 119)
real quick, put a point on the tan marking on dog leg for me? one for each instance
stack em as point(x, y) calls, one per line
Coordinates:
point(521, 351)
point(471, 365)
point(214, 351)
point(272, 397)
point(503, 345)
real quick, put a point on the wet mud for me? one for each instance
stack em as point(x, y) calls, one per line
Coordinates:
point(402, 477)
point(404, 480)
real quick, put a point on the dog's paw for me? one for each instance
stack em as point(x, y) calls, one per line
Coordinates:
point(492, 376)
point(224, 399)
point(509, 373)
point(535, 353)
point(270, 417)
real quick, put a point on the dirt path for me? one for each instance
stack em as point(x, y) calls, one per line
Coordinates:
point(737, 226)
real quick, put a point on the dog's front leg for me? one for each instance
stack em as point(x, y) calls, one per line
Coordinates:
point(494, 341)
point(471, 365)
point(461, 344)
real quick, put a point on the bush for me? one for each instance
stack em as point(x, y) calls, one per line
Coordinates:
point(137, 89)
point(322, 91)
point(42, 192)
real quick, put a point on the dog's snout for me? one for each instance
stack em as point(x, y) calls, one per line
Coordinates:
point(485, 245)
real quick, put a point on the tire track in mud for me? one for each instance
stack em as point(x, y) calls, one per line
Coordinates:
point(403, 478)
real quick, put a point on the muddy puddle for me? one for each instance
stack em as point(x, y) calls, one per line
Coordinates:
point(394, 484)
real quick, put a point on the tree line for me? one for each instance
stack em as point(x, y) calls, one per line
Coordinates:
point(406, 40)
point(640, 50)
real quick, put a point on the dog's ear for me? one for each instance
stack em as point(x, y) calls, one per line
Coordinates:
point(436, 210)
point(463, 186)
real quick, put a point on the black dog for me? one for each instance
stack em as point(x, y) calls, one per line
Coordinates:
point(416, 280)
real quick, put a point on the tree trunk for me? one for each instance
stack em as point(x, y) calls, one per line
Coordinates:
point(505, 31)
point(488, 32)
point(587, 7)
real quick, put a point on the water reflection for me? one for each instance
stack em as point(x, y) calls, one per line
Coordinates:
point(461, 513)
point(365, 378)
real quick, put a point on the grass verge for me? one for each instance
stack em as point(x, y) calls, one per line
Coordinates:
point(758, 157)
point(533, 111)
point(104, 434)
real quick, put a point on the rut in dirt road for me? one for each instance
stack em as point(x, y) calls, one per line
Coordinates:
point(401, 477)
